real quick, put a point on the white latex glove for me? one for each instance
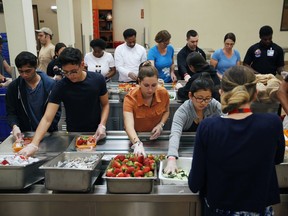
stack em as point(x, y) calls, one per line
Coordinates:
point(132, 75)
point(16, 132)
point(156, 131)
point(100, 132)
point(138, 149)
point(171, 166)
point(29, 150)
point(284, 74)
point(178, 85)
point(5, 84)
point(187, 77)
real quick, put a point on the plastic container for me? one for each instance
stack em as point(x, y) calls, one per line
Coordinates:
point(182, 163)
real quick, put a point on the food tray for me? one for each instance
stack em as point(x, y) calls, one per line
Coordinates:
point(130, 185)
point(182, 163)
point(22, 176)
point(71, 179)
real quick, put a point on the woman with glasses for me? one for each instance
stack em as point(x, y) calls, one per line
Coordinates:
point(235, 155)
point(162, 57)
point(146, 107)
point(227, 57)
point(188, 116)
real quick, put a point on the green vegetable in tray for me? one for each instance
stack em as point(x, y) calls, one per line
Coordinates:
point(180, 174)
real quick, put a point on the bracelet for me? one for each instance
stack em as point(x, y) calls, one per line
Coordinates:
point(101, 125)
point(162, 124)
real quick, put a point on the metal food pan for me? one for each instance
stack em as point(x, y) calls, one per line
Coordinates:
point(71, 179)
point(130, 185)
point(20, 177)
point(282, 174)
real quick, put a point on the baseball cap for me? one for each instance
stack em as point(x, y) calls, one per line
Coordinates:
point(45, 30)
point(2, 40)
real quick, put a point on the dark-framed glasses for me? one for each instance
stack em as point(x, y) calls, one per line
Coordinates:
point(201, 99)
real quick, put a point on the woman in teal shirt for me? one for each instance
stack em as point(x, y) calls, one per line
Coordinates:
point(161, 56)
point(222, 59)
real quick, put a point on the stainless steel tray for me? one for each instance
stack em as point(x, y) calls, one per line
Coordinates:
point(130, 185)
point(71, 179)
point(20, 177)
point(282, 174)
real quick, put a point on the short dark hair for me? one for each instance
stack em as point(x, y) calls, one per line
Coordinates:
point(129, 33)
point(146, 69)
point(70, 55)
point(196, 60)
point(191, 33)
point(204, 82)
point(98, 43)
point(25, 58)
point(58, 46)
point(265, 31)
point(162, 36)
point(230, 36)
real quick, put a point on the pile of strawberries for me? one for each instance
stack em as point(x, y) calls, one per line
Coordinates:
point(130, 165)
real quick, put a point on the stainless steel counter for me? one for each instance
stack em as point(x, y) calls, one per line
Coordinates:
point(164, 200)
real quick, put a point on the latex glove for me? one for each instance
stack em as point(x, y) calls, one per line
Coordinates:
point(171, 166)
point(16, 132)
point(132, 75)
point(156, 131)
point(187, 77)
point(284, 74)
point(178, 85)
point(5, 84)
point(100, 132)
point(138, 149)
point(29, 150)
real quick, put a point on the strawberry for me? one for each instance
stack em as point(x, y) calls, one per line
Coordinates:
point(109, 173)
point(116, 171)
point(146, 169)
point(121, 174)
point(124, 168)
point(139, 173)
point(149, 174)
point(120, 157)
point(116, 164)
point(130, 170)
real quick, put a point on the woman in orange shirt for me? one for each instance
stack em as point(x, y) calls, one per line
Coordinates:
point(146, 107)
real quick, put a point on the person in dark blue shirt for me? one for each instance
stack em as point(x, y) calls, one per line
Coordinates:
point(235, 155)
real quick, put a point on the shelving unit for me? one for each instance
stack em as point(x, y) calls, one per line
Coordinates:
point(102, 21)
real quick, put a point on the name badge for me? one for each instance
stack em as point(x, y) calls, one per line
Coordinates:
point(270, 52)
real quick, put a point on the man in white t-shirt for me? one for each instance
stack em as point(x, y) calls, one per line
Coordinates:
point(46, 53)
point(128, 56)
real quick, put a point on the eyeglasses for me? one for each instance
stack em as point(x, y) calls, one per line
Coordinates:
point(201, 100)
point(68, 73)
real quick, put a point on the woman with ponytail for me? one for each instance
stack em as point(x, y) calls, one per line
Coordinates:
point(234, 156)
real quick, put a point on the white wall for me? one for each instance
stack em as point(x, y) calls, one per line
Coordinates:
point(211, 18)
point(126, 14)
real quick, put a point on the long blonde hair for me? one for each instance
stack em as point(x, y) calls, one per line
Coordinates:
point(238, 87)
